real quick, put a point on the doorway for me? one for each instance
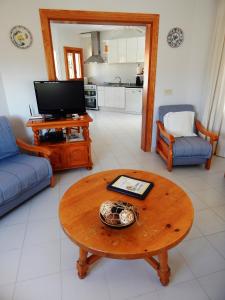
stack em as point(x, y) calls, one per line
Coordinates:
point(74, 62)
point(150, 21)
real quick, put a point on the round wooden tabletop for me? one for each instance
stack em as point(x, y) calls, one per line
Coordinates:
point(165, 216)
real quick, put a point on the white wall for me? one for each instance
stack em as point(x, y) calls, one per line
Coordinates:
point(3, 104)
point(63, 37)
point(180, 69)
point(99, 73)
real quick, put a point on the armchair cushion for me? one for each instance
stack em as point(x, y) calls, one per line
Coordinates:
point(20, 173)
point(8, 145)
point(179, 124)
point(173, 108)
point(192, 146)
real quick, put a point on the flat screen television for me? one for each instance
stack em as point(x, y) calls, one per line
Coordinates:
point(59, 98)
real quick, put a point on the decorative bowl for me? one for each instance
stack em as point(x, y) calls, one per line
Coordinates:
point(118, 214)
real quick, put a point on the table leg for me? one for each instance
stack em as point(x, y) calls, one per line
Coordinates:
point(164, 270)
point(82, 264)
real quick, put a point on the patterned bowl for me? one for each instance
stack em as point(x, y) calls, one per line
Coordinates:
point(118, 214)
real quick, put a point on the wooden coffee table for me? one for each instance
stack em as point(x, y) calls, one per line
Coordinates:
point(165, 218)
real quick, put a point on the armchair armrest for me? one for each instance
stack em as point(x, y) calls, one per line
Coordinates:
point(212, 135)
point(31, 148)
point(163, 132)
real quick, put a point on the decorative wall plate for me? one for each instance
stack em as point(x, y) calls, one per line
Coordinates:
point(21, 37)
point(175, 37)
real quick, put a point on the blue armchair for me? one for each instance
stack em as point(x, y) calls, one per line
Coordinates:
point(190, 150)
point(21, 175)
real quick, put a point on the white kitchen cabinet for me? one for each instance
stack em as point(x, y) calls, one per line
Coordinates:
point(140, 49)
point(113, 51)
point(133, 100)
point(131, 50)
point(101, 95)
point(126, 50)
point(122, 50)
point(115, 97)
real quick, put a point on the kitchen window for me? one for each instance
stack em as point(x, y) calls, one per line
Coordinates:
point(73, 63)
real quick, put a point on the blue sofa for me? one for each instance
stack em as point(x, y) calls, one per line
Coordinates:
point(191, 150)
point(21, 175)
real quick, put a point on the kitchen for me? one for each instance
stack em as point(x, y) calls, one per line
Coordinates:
point(109, 58)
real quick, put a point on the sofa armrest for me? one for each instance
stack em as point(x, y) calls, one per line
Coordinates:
point(164, 133)
point(36, 149)
point(212, 135)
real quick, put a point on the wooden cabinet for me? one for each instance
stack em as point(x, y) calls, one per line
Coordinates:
point(114, 97)
point(66, 154)
point(77, 155)
point(134, 100)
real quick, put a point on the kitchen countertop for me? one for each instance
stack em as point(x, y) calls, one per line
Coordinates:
point(126, 85)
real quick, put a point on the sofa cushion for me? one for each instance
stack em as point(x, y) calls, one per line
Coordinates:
point(191, 146)
point(8, 145)
point(21, 172)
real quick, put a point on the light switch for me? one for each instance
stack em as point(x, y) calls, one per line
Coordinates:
point(168, 92)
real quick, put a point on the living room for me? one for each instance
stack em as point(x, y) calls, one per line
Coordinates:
point(38, 253)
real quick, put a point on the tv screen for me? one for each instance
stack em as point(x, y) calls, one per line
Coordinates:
point(60, 97)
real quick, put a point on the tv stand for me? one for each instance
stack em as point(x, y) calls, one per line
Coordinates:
point(50, 117)
point(68, 153)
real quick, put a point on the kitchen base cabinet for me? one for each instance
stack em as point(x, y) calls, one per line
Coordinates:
point(120, 99)
point(101, 96)
point(115, 97)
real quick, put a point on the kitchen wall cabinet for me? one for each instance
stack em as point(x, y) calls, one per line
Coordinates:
point(114, 97)
point(131, 50)
point(140, 49)
point(113, 51)
point(133, 100)
point(126, 50)
point(122, 50)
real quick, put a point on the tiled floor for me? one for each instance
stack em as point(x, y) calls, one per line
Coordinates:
point(37, 259)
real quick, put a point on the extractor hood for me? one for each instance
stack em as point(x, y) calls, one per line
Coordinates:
point(95, 48)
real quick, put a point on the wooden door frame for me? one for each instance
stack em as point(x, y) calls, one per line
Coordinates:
point(151, 21)
point(73, 49)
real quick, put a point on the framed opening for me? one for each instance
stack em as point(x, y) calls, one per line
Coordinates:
point(150, 21)
point(74, 63)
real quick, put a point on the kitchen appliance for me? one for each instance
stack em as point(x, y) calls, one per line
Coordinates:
point(91, 97)
point(95, 49)
point(139, 80)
